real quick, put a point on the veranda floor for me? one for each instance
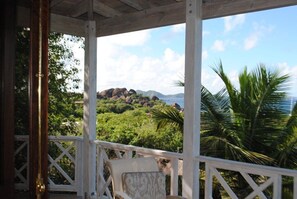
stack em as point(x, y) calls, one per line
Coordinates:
point(25, 195)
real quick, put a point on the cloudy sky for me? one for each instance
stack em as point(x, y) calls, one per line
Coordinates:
point(154, 59)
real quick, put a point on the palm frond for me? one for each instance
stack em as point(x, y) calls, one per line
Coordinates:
point(179, 83)
point(168, 116)
point(287, 150)
point(222, 148)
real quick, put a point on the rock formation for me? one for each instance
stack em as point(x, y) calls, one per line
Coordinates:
point(128, 96)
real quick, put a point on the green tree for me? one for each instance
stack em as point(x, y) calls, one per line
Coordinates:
point(135, 126)
point(63, 80)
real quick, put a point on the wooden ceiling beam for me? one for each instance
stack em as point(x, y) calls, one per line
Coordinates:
point(175, 13)
point(220, 8)
point(150, 18)
point(58, 23)
point(133, 4)
point(104, 10)
point(79, 9)
point(67, 25)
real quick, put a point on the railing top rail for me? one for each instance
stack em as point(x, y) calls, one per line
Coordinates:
point(63, 138)
point(140, 150)
point(66, 138)
point(253, 168)
point(21, 137)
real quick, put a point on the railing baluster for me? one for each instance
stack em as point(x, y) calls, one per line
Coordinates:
point(277, 187)
point(128, 154)
point(100, 168)
point(295, 187)
point(27, 181)
point(78, 168)
point(174, 176)
point(208, 182)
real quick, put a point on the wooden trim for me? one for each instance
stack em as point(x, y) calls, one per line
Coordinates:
point(175, 13)
point(221, 8)
point(58, 23)
point(67, 25)
point(33, 95)
point(105, 10)
point(150, 18)
point(133, 3)
point(7, 65)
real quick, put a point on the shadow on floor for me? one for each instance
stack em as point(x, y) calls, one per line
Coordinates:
point(25, 195)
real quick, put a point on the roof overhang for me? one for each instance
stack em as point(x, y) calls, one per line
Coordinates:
point(121, 16)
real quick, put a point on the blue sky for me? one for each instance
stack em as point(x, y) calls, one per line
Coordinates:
point(154, 59)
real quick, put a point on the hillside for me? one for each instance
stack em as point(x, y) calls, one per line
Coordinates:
point(152, 93)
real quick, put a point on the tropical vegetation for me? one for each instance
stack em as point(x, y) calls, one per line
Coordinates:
point(245, 123)
point(248, 123)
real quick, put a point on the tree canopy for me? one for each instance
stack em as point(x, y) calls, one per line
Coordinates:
point(63, 79)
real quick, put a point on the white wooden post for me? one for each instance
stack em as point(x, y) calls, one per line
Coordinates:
point(191, 144)
point(90, 97)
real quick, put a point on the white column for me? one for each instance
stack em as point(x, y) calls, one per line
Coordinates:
point(89, 126)
point(191, 144)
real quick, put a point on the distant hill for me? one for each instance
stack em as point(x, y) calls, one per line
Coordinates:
point(152, 93)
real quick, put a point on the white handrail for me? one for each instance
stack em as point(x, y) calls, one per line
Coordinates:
point(140, 150)
point(254, 168)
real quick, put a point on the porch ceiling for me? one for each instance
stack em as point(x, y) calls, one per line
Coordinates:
point(120, 16)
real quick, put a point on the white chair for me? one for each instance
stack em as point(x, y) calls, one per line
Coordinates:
point(137, 178)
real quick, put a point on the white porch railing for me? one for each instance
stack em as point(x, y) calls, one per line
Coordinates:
point(65, 162)
point(266, 177)
point(66, 165)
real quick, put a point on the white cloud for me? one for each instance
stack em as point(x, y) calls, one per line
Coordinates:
point(136, 38)
point(204, 55)
point(251, 41)
point(218, 45)
point(179, 28)
point(232, 22)
point(254, 37)
point(214, 83)
point(118, 67)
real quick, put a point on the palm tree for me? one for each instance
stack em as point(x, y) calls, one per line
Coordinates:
point(247, 123)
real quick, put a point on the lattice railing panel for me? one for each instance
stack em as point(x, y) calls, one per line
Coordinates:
point(62, 164)
point(21, 155)
point(244, 180)
point(65, 163)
